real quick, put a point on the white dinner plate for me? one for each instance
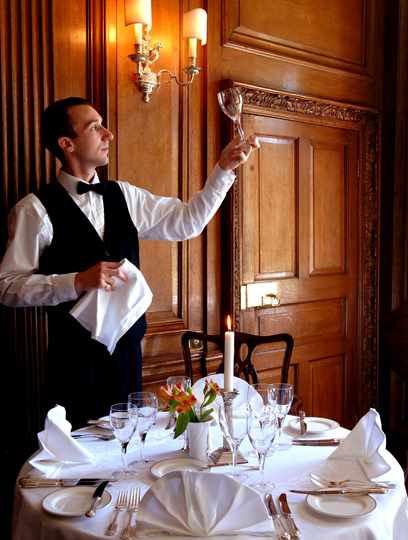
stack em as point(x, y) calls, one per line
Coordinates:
point(315, 425)
point(342, 506)
point(73, 501)
point(166, 466)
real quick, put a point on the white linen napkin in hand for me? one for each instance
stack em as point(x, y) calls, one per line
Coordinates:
point(56, 444)
point(109, 314)
point(366, 443)
point(185, 503)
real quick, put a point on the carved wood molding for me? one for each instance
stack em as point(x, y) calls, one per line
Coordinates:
point(366, 122)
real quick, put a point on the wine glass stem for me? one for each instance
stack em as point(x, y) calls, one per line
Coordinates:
point(123, 447)
point(240, 130)
point(261, 460)
point(234, 456)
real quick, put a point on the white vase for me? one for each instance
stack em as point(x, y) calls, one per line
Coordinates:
point(198, 440)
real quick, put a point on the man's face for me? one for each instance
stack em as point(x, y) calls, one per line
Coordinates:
point(91, 145)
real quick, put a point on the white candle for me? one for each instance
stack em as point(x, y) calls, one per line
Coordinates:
point(192, 48)
point(138, 33)
point(229, 358)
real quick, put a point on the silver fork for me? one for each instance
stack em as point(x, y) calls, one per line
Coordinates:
point(132, 507)
point(121, 504)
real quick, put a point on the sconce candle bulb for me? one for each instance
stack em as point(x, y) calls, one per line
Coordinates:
point(139, 13)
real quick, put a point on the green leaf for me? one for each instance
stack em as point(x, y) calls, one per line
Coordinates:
point(181, 424)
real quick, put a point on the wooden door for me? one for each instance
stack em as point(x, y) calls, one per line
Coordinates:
point(296, 231)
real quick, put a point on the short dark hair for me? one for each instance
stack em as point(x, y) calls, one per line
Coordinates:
point(56, 123)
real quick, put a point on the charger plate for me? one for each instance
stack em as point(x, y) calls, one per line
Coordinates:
point(73, 501)
point(342, 506)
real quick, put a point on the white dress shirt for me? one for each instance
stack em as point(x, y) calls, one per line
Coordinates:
point(155, 218)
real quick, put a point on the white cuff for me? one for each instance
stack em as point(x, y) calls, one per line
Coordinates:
point(221, 179)
point(64, 287)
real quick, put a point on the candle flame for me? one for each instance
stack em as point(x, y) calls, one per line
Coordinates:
point(229, 323)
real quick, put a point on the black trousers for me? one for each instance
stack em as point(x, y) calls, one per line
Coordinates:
point(83, 376)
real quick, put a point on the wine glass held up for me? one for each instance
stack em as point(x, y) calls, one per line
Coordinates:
point(123, 419)
point(230, 101)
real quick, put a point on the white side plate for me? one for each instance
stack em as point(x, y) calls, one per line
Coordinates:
point(73, 501)
point(341, 506)
point(166, 466)
point(315, 425)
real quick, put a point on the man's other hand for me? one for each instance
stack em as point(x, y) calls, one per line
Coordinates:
point(99, 276)
point(237, 152)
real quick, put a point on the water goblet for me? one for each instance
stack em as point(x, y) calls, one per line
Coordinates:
point(262, 429)
point(230, 101)
point(235, 429)
point(280, 398)
point(123, 419)
point(184, 383)
point(147, 407)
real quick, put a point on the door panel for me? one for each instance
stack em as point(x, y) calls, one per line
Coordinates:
point(299, 220)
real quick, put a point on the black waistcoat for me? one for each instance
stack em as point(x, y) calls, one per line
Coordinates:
point(76, 246)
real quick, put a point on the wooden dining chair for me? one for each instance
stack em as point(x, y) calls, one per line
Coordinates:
point(195, 350)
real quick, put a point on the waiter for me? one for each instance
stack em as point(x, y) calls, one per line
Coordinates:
point(69, 238)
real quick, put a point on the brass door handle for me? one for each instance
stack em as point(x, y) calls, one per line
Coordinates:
point(271, 299)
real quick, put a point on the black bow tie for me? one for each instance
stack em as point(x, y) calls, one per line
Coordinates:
point(83, 187)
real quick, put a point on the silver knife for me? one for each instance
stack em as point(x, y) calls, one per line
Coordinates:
point(33, 482)
point(303, 425)
point(344, 491)
point(279, 528)
point(288, 515)
point(96, 497)
point(316, 442)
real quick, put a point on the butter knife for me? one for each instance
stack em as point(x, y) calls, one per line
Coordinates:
point(303, 425)
point(279, 528)
point(96, 497)
point(283, 501)
point(33, 482)
point(316, 442)
point(337, 491)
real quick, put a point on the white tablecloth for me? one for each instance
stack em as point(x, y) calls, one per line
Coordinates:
point(288, 469)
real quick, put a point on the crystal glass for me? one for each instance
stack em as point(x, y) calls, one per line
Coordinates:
point(185, 383)
point(147, 407)
point(280, 398)
point(230, 101)
point(262, 429)
point(123, 419)
point(234, 428)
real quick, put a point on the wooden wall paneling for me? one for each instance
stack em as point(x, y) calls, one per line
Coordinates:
point(331, 54)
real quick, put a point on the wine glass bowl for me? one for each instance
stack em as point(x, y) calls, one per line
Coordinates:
point(231, 102)
point(280, 398)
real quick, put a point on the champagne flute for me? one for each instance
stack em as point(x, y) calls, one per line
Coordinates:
point(123, 420)
point(184, 383)
point(230, 101)
point(147, 407)
point(280, 398)
point(262, 429)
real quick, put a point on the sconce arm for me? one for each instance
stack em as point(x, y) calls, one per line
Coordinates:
point(191, 71)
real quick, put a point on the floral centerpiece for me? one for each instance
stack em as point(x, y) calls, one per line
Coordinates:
point(184, 405)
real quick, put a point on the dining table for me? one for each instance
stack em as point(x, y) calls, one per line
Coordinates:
point(286, 468)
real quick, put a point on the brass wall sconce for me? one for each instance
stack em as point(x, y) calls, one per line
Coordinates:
point(139, 13)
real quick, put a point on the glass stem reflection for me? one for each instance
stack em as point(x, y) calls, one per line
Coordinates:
point(142, 446)
point(261, 465)
point(123, 447)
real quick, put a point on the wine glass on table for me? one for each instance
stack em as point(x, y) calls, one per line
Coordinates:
point(262, 429)
point(147, 407)
point(230, 101)
point(234, 428)
point(280, 398)
point(183, 383)
point(123, 419)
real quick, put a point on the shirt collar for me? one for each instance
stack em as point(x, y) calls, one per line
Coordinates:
point(70, 182)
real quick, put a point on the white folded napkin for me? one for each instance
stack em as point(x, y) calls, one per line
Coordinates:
point(245, 391)
point(109, 315)
point(185, 503)
point(366, 444)
point(56, 444)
